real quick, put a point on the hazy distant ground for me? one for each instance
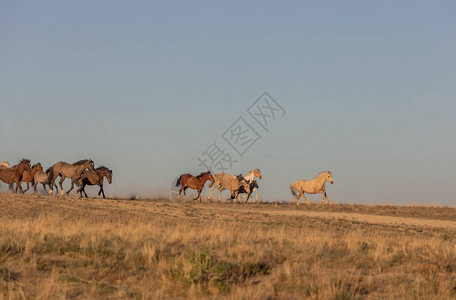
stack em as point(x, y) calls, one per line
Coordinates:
point(78, 248)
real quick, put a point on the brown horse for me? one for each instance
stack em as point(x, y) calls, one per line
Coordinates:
point(94, 178)
point(193, 182)
point(43, 178)
point(72, 171)
point(27, 176)
point(15, 173)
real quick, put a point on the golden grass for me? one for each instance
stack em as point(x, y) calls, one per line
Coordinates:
point(53, 247)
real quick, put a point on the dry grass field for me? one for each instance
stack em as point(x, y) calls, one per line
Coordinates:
point(65, 247)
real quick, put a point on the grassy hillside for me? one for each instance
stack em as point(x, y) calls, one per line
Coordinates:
point(52, 247)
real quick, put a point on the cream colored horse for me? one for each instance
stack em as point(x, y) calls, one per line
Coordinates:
point(250, 177)
point(230, 182)
point(314, 186)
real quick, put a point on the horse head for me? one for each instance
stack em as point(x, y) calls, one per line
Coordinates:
point(208, 176)
point(37, 167)
point(109, 176)
point(257, 173)
point(25, 165)
point(329, 177)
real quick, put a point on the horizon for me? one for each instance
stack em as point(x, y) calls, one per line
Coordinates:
point(365, 91)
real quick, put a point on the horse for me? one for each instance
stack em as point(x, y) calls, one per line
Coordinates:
point(94, 178)
point(193, 182)
point(15, 173)
point(230, 182)
point(314, 186)
point(43, 178)
point(27, 176)
point(72, 171)
point(5, 164)
point(241, 190)
point(250, 177)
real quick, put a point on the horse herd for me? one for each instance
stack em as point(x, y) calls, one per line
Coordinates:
point(247, 184)
point(81, 173)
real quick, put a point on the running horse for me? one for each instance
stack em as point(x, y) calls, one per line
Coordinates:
point(94, 178)
point(27, 177)
point(66, 170)
point(250, 178)
point(43, 178)
point(230, 182)
point(242, 190)
point(15, 173)
point(314, 186)
point(193, 182)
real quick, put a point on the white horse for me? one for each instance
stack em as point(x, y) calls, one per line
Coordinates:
point(314, 186)
point(250, 177)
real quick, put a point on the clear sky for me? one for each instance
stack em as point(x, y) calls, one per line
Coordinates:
point(146, 87)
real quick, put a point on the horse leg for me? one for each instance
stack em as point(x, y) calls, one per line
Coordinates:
point(330, 203)
point(297, 198)
point(72, 186)
point(305, 199)
point(199, 195)
point(180, 191)
point(185, 188)
point(256, 195)
point(101, 191)
point(28, 187)
point(60, 183)
point(215, 185)
point(220, 195)
point(79, 190)
point(83, 189)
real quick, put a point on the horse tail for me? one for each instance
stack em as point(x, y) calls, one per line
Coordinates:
point(178, 181)
point(293, 192)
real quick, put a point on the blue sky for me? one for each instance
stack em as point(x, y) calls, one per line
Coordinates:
point(146, 87)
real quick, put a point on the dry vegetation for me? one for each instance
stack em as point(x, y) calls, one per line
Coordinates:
point(75, 248)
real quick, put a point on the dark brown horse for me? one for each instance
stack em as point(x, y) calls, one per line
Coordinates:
point(72, 171)
point(193, 182)
point(94, 178)
point(27, 176)
point(15, 173)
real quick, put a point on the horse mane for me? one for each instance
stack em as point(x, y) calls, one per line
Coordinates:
point(200, 175)
point(81, 162)
point(24, 160)
point(322, 172)
point(36, 165)
point(103, 168)
point(48, 170)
